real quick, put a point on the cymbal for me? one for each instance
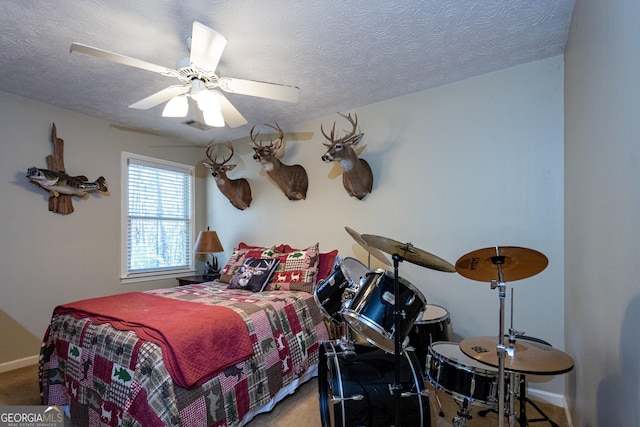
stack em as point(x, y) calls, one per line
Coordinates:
point(529, 357)
point(516, 263)
point(408, 252)
point(373, 251)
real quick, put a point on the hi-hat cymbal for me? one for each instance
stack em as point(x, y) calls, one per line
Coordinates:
point(529, 357)
point(516, 263)
point(373, 251)
point(409, 253)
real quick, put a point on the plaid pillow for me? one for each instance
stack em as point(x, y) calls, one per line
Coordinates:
point(297, 270)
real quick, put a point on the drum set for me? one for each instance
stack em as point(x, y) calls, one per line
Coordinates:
point(392, 342)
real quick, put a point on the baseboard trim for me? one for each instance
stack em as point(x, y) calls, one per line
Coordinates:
point(547, 397)
point(18, 363)
point(552, 398)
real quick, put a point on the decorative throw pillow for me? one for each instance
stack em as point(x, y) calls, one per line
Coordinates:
point(325, 265)
point(237, 259)
point(254, 274)
point(243, 245)
point(297, 270)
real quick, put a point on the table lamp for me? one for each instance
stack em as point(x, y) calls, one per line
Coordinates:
point(208, 243)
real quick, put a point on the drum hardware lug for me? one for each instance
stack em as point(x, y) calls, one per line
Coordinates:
point(423, 393)
point(394, 387)
point(389, 297)
point(336, 400)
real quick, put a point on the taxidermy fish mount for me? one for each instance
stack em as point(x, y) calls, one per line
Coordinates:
point(58, 183)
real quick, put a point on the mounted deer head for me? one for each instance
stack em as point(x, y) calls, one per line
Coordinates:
point(292, 180)
point(357, 177)
point(237, 191)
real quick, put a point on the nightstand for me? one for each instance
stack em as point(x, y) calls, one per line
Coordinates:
point(190, 280)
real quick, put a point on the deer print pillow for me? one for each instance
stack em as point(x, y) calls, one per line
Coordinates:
point(255, 274)
point(238, 258)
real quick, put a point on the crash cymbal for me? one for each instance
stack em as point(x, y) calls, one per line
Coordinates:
point(529, 357)
point(516, 263)
point(409, 253)
point(373, 251)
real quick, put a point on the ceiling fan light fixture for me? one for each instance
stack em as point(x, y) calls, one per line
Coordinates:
point(208, 100)
point(213, 117)
point(178, 106)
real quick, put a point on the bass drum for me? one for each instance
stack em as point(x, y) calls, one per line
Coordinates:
point(355, 388)
point(340, 287)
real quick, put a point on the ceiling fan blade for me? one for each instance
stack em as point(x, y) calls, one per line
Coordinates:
point(206, 47)
point(122, 59)
point(159, 97)
point(231, 115)
point(260, 89)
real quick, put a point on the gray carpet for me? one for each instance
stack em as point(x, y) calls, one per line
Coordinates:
point(20, 387)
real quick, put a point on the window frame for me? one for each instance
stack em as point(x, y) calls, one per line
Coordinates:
point(127, 276)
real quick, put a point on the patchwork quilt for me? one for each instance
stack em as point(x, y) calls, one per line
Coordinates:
point(113, 377)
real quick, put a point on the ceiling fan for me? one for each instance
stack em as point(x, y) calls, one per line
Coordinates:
point(199, 81)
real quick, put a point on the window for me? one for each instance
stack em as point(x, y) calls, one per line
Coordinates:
point(157, 218)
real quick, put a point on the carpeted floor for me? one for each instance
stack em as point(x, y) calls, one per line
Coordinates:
point(20, 387)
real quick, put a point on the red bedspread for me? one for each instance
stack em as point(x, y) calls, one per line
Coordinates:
point(192, 350)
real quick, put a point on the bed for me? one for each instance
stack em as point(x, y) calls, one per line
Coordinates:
point(209, 354)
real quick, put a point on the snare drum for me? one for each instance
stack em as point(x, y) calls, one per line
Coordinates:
point(432, 327)
point(461, 376)
point(339, 287)
point(355, 388)
point(371, 312)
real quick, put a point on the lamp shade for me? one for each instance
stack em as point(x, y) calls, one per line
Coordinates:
point(207, 243)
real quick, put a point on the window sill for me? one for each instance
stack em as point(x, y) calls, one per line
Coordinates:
point(148, 277)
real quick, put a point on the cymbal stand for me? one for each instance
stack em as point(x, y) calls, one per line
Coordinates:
point(500, 348)
point(396, 320)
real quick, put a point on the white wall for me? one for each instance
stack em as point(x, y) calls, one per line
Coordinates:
point(45, 258)
point(602, 211)
point(465, 166)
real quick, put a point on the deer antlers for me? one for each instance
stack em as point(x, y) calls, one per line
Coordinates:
point(345, 139)
point(209, 149)
point(274, 127)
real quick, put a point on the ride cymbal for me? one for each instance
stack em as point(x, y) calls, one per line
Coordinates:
point(515, 262)
point(409, 253)
point(373, 251)
point(529, 357)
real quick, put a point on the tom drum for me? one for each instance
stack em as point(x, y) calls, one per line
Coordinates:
point(431, 327)
point(330, 294)
point(371, 312)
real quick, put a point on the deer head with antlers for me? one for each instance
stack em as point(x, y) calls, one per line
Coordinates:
point(237, 191)
point(357, 177)
point(291, 179)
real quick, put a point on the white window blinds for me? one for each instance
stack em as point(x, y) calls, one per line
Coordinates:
point(158, 216)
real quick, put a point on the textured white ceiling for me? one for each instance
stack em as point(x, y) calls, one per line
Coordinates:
point(341, 54)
